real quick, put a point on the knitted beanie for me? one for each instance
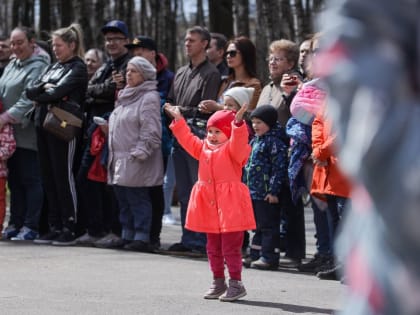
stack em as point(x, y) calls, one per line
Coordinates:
point(147, 70)
point(222, 119)
point(240, 94)
point(266, 113)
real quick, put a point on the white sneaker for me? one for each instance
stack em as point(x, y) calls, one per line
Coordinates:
point(168, 219)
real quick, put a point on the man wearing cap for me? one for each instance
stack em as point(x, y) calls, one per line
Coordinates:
point(146, 47)
point(102, 86)
point(98, 202)
point(199, 80)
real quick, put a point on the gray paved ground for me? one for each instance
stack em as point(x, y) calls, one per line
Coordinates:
point(75, 280)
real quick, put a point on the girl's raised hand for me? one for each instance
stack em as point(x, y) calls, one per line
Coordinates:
point(240, 113)
point(173, 111)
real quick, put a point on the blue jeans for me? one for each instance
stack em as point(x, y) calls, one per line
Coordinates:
point(135, 212)
point(335, 212)
point(324, 242)
point(26, 192)
point(169, 185)
point(186, 173)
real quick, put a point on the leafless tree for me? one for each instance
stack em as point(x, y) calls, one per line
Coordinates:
point(241, 14)
point(166, 20)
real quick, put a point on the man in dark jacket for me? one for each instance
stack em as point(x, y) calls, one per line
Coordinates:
point(98, 205)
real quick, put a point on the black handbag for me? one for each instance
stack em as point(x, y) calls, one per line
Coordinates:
point(64, 120)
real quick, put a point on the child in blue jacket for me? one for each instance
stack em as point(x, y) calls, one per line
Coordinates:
point(265, 173)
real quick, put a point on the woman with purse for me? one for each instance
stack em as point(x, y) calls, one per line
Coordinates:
point(62, 85)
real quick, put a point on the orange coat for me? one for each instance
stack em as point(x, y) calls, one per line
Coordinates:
point(326, 179)
point(219, 201)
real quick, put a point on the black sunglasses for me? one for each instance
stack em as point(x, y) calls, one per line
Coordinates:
point(231, 53)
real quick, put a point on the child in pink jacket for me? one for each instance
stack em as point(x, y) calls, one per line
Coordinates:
point(7, 147)
point(220, 204)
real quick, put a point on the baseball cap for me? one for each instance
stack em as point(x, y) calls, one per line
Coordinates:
point(143, 42)
point(115, 26)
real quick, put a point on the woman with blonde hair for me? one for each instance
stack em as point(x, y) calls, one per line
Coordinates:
point(66, 80)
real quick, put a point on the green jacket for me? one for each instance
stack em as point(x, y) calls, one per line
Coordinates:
point(17, 76)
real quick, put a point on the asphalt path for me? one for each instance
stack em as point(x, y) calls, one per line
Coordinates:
point(39, 279)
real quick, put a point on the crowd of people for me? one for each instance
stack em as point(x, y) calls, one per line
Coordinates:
point(240, 155)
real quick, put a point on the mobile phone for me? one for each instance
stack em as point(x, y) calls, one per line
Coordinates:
point(99, 120)
point(293, 80)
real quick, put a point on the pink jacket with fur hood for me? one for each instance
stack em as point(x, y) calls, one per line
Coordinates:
point(307, 102)
point(219, 201)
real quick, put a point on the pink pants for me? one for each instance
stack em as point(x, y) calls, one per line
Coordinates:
point(225, 247)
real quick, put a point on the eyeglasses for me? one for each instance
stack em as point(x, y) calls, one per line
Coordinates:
point(114, 39)
point(274, 59)
point(231, 53)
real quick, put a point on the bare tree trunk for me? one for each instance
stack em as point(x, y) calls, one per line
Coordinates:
point(155, 10)
point(128, 16)
point(44, 8)
point(67, 14)
point(220, 17)
point(82, 9)
point(181, 33)
point(55, 14)
point(15, 13)
point(5, 16)
point(143, 16)
point(199, 20)
point(100, 20)
point(287, 19)
point(261, 41)
point(241, 17)
point(167, 40)
point(267, 28)
point(27, 13)
point(3, 22)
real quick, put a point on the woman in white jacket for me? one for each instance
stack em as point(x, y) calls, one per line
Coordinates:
point(135, 159)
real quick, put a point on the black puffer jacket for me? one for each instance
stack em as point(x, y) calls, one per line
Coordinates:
point(70, 81)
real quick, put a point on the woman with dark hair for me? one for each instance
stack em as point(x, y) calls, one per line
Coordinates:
point(65, 80)
point(24, 180)
point(241, 60)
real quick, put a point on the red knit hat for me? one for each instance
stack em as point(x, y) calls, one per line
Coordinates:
point(222, 119)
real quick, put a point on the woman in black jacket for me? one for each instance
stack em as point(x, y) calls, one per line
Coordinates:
point(65, 80)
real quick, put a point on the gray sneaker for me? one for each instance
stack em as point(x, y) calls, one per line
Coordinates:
point(217, 288)
point(111, 240)
point(87, 239)
point(235, 291)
